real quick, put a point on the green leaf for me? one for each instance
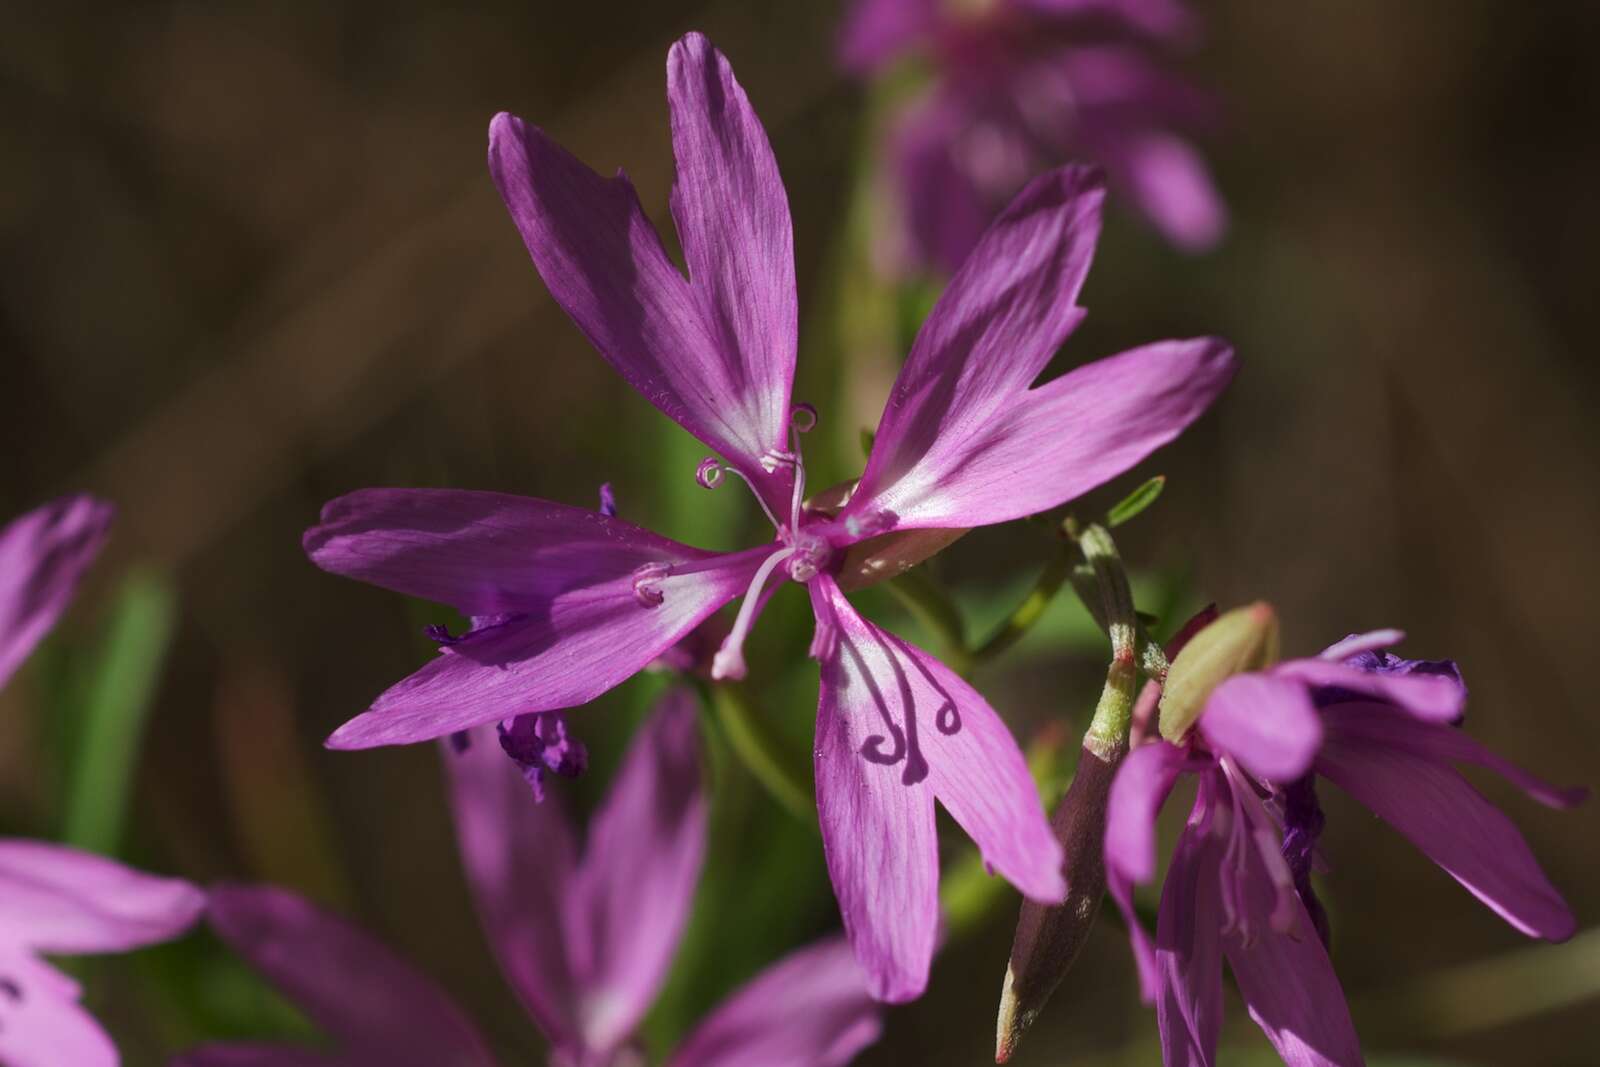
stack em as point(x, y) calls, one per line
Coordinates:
point(121, 682)
point(1136, 501)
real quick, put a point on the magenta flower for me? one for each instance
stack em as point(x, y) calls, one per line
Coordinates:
point(1021, 85)
point(572, 602)
point(584, 934)
point(62, 902)
point(42, 556)
point(56, 900)
point(1383, 729)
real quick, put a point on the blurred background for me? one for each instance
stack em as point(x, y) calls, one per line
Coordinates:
point(250, 259)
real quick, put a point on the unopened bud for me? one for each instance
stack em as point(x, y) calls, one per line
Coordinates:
point(1049, 938)
point(1244, 639)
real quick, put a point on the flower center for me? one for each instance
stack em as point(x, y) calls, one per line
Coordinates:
point(805, 552)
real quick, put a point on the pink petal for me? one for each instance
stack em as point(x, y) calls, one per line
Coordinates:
point(1438, 811)
point(876, 32)
point(605, 265)
point(942, 212)
point(810, 1009)
point(42, 555)
point(1388, 725)
point(1120, 889)
point(998, 323)
point(964, 441)
point(60, 900)
point(1371, 641)
point(1267, 723)
point(45, 1026)
point(377, 1004)
point(566, 581)
point(1189, 947)
point(1143, 782)
point(1141, 787)
point(1168, 19)
point(1430, 697)
point(631, 897)
point(519, 857)
point(484, 554)
point(733, 220)
point(895, 729)
point(1287, 979)
point(1168, 181)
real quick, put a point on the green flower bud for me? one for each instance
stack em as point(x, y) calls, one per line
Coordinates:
point(1245, 639)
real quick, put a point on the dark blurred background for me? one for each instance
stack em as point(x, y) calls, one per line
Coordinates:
point(250, 258)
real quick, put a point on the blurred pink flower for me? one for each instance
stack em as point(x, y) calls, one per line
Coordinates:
point(584, 935)
point(62, 902)
point(56, 900)
point(42, 555)
point(1018, 86)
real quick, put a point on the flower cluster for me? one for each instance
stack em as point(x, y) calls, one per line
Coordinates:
point(56, 900)
point(1026, 113)
point(1256, 736)
point(565, 924)
point(1015, 86)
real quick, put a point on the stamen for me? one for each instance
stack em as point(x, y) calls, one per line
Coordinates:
point(803, 418)
point(1262, 833)
point(773, 458)
point(729, 660)
point(646, 583)
point(709, 473)
point(799, 494)
point(811, 554)
point(1371, 641)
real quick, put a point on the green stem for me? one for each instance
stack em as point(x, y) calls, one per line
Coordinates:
point(753, 742)
point(1029, 612)
point(1107, 736)
point(1116, 597)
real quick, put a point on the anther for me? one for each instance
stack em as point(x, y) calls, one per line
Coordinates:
point(646, 583)
point(773, 458)
point(803, 418)
point(709, 473)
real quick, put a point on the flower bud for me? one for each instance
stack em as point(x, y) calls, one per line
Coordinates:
point(1049, 937)
point(1244, 639)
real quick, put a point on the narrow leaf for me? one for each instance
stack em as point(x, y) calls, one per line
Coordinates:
point(1136, 501)
point(122, 678)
